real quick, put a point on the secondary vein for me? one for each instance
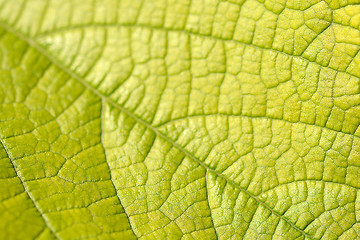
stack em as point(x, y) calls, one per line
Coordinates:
point(46, 221)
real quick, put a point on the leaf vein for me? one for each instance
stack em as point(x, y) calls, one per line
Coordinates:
point(61, 66)
point(28, 193)
point(109, 25)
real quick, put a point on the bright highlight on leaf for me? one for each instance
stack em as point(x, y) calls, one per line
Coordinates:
point(179, 119)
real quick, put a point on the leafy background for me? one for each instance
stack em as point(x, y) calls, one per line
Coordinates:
point(166, 119)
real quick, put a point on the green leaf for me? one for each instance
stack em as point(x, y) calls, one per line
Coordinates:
point(179, 119)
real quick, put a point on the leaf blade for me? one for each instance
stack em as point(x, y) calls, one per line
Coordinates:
point(204, 133)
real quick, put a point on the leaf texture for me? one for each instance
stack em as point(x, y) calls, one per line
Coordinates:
point(206, 119)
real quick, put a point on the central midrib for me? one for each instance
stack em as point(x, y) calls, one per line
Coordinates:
point(61, 66)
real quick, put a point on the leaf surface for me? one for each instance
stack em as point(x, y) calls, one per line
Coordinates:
point(179, 119)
